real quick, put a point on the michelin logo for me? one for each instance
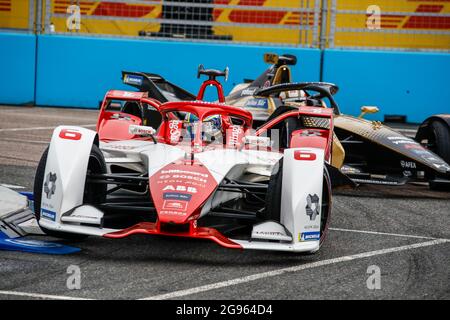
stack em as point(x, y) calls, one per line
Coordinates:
point(47, 214)
point(310, 236)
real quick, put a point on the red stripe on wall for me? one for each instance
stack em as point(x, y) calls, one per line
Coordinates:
point(113, 9)
point(429, 8)
point(252, 16)
point(428, 23)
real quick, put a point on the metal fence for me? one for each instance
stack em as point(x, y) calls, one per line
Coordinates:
point(285, 22)
point(388, 24)
point(17, 15)
point(371, 24)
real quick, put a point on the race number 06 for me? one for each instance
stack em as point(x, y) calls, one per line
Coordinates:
point(70, 134)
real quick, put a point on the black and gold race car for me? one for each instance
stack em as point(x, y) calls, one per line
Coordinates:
point(368, 152)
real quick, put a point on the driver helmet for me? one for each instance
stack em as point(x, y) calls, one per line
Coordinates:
point(212, 126)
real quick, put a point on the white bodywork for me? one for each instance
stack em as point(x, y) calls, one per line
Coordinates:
point(68, 159)
point(301, 178)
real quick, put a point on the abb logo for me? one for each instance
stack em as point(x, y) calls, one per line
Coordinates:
point(305, 156)
point(70, 134)
point(180, 188)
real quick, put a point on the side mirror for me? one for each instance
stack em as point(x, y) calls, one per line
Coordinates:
point(368, 110)
point(141, 130)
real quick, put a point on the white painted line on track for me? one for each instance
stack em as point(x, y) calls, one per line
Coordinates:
point(23, 141)
point(43, 128)
point(383, 233)
point(11, 186)
point(273, 273)
point(40, 296)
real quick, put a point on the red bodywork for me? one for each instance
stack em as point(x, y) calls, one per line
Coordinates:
point(311, 137)
point(110, 129)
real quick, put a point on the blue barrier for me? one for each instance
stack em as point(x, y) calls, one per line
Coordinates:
point(399, 83)
point(17, 65)
point(77, 71)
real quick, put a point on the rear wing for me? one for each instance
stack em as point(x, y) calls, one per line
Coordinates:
point(156, 86)
point(285, 59)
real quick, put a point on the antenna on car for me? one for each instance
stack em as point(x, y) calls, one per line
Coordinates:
point(212, 73)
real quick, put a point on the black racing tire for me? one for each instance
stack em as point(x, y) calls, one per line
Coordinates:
point(95, 193)
point(38, 185)
point(273, 196)
point(440, 135)
point(273, 199)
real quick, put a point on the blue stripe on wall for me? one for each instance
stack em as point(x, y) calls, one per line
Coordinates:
point(402, 83)
point(77, 71)
point(17, 65)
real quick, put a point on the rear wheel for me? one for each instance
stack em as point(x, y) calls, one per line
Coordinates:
point(438, 141)
point(273, 199)
point(92, 193)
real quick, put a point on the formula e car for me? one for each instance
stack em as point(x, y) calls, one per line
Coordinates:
point(190, 169)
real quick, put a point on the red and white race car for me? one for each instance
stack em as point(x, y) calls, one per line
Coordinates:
point(190, 169)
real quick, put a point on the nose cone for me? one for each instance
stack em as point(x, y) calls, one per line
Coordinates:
point(180, 189)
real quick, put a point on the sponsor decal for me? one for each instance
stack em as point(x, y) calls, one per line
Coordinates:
point(47, 214)
point(172, 213)
point(184, 175)
point(248, 91)
point(407, 142)
point(407, 173)
point(50, 185)
point(257, 103)
point(133, 79)
point(408, 164)
point(177, 196)
point(70, 134)
point(235, 135)
point(313, 226)
point(269, 233)
point(180, 188)
point(174, 131)
point(306, 156)
point(309, 236)
point(120, 147)
point(177, 171)
point(312, 206)
point(175, 205)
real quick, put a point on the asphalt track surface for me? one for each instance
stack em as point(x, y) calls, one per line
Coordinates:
point(403, 231)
